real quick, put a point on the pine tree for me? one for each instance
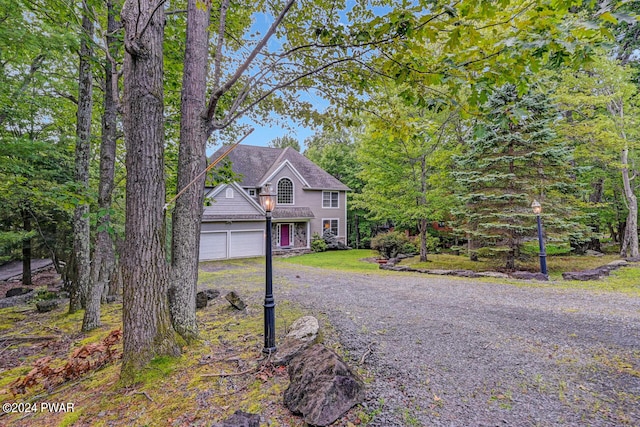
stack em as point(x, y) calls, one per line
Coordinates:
point(514, 158)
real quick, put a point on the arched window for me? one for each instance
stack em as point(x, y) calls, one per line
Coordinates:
point(285, 191)
point(229, 193)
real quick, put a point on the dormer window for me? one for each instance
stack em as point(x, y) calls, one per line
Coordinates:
point(285, 191)
point(251, 192)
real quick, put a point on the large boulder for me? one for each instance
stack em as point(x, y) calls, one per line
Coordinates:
point(322, 387)
point(201, 300)
point(211, 293)
point(527, 275)
point(302, 335)
point(13, 292)
point(584, 275)
point(240, 419)
point(235, 301)
point(47, 305)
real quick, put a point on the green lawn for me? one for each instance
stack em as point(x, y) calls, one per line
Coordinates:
point(626, 279)
point(350, 260)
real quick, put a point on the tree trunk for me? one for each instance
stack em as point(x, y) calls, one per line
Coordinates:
point(630, 238)
point(81, 231)
point(187, 216)
point(422, 227)
point(146, 320)
point(511, 260)
point(26, 249)
point(104, 255)
point(422, 223)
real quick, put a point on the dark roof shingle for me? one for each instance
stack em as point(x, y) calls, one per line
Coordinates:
point(256, 164)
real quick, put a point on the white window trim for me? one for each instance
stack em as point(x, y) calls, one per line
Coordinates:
point(251, 192)
point(332, 219)
point(293, 191)
point(330, 207)
point(228, 194)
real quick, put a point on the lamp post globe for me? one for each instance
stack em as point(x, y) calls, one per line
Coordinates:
point(537, 209)
point(268, 200)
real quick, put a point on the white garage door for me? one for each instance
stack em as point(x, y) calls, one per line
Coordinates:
point(246, 244)
point(213, 245)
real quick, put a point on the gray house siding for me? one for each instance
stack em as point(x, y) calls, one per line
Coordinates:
point(233, 226)
point(340, 213)
point(313, 200)
point(236, 204)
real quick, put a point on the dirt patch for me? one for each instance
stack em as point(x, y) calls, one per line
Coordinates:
point(212, 267)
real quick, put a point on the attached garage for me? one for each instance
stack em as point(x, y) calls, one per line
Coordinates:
point(246, 243)
point(232, 225)
point(231, 244)
point(213, 245)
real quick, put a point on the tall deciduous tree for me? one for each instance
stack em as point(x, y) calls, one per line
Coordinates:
point(404, 153)
point(81, 231)
point(146, 318)
point(600, 103)
point(191, 162)
point(103, 263)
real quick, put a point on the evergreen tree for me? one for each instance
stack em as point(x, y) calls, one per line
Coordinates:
point(514, 158)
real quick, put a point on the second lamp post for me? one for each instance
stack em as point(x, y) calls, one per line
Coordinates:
point(537, 209)
point(268, 199)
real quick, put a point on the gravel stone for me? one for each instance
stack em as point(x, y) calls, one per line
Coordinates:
point(444, 351)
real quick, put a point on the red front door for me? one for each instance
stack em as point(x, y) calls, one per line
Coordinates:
point(284, 235)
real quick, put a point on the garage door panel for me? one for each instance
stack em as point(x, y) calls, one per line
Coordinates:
point(213, 246)
point(246, 244)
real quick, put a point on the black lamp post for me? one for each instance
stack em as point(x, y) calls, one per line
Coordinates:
point(537, 209)
point(268, 201)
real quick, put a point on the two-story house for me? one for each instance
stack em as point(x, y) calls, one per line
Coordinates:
point(309, 201)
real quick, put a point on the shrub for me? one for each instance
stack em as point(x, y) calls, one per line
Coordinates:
point(433, 244)
point(317, 243)
point(409, 248)
point(390, 244)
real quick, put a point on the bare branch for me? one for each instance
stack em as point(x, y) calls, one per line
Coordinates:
point(218, 92)
point(231, 117)
point(175, 12)
point(149, 18)
point(217, 69)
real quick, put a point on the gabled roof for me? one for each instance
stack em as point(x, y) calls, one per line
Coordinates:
point(252, 209)
point(258, 164)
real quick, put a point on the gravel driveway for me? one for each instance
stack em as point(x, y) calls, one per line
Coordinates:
point(465, 352)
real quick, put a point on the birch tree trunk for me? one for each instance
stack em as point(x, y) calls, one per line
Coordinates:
point(187, 216)
point(103, 265)
point(145, 271)
point(629, 247)
point(81, 231)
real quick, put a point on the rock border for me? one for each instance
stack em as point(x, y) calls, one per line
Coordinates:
point(594, 274)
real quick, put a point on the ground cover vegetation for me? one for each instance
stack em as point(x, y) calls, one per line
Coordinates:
point(106, 109)
point(224, 372)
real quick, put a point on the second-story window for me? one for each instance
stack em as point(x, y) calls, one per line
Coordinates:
point(329, 199)
point(285, 191)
